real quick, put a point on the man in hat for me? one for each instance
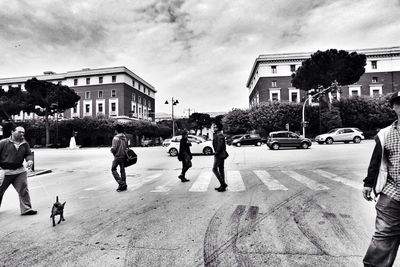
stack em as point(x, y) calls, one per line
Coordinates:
point(384, 179)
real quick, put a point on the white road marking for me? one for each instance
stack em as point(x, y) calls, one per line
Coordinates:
point(271, 183)
point(235, 181)
point(202, 182)
point(337, 178)
point(306, 181)
point(165, 187)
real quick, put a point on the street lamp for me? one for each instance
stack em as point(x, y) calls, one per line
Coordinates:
point(173, 103)
point(303, 122)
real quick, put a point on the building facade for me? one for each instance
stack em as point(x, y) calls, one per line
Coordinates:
point(110, 92)
point(270, 76)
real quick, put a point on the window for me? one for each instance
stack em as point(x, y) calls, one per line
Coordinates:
point(100, 94)
point(144, 101)
point(133, 83)
point(149, 104)
point(75, 109)
point(374, 64)
point(273, 69)
point(273, 83)
point(292, 68)
point(354, 92)
point(133, 97)
point(100, 107)
point(275, 97)
point(374, 79)
point(113, 78)
point(375, 92)
point(87, 80)
point(75, 81)
point(87, 95)
point(87, 108)
point(140, 110)
point(294, 97)
point(100, 79)
point(348, 131)
point(139, 100)
point(113, 107)
point(113, 93)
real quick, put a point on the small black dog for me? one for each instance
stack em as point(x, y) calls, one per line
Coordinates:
point(58, 209)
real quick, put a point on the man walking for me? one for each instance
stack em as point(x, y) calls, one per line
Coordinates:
point(185, 156)
point(118, 147)
point(219, 156)
point(385, 163)
point(13, 152)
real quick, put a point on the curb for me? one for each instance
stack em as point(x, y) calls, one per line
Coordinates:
point(38, 172)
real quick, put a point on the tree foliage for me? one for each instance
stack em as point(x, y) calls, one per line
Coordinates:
point(326, 68)
point(12, 102)
point(237, 121)
point(199, 121)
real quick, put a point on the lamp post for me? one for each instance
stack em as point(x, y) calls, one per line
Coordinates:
point(173, 103)
point(304, 105)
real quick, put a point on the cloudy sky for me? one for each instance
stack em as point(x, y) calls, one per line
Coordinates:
point(197, 51)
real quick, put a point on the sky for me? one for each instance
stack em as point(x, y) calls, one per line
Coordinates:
point(197, 51)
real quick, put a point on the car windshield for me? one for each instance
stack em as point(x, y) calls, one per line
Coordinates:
point(332, 131)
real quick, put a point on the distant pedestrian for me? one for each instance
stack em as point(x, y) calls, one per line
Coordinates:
point(219, 157)
point(185, 156)
point(118, 148)
point(13, 152)
point(384, 179)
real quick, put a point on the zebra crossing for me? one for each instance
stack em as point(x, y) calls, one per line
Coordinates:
point(275, 180)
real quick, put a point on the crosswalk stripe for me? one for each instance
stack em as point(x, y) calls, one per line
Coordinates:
point(338, 178)
point(234, 181)
point(306, 181)
point(202, 182)
point(271, 183)
point(136, 183)
point(165, 187)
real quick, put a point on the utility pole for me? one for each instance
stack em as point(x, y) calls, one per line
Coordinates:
point(188, 110)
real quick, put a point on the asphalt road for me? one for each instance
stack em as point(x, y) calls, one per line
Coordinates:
point(290, 207)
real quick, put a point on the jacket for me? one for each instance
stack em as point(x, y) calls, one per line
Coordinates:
point(219, 146)
point(10, 157)
point(377, 169)
point(184, 147)
point(119, 145)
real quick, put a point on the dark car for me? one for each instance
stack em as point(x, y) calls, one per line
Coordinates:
point(248, 139)
point(233, 137)
point(287, 139)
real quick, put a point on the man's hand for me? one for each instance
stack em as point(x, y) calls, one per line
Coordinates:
point(367, 193)
point(29, 164)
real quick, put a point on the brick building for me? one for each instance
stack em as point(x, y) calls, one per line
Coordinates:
point(112, 92)
point(270, 76)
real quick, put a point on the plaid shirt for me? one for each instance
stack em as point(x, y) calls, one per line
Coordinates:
point(392, 153)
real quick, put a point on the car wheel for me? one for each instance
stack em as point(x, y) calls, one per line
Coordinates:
point(329, 141)
point(258, 144)
point(304, 145)
point(173, 152)
point(275, 146)
point(207, 151)
point(238, 144)
point(357, 139)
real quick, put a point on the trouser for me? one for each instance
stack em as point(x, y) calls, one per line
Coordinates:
point(20, 183)
point(385, 241)
point(121, 179)
point(219, 170)
point(186, 163)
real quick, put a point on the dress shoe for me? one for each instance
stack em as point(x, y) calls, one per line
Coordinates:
point(222, 189)
point(184, 180)
point(122, 188)
point(30, 212)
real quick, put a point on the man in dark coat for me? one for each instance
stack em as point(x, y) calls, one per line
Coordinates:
point(118, 147)
point(219, 157)
point(185, 156)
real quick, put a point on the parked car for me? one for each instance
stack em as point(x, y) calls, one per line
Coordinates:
point(166, 142)
point(231, 138)
point(248, 139)
point(287, 139)
point(341, 135)
point(199, 145)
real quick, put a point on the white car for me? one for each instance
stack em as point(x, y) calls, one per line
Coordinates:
point(341, 135)
point(199, 145)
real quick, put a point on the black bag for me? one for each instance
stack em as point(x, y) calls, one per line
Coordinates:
point(131, 157)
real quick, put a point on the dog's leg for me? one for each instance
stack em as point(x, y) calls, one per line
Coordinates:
point(62, 216)
point(54, 222)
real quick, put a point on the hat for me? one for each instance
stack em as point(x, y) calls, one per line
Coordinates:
point(394, 98)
